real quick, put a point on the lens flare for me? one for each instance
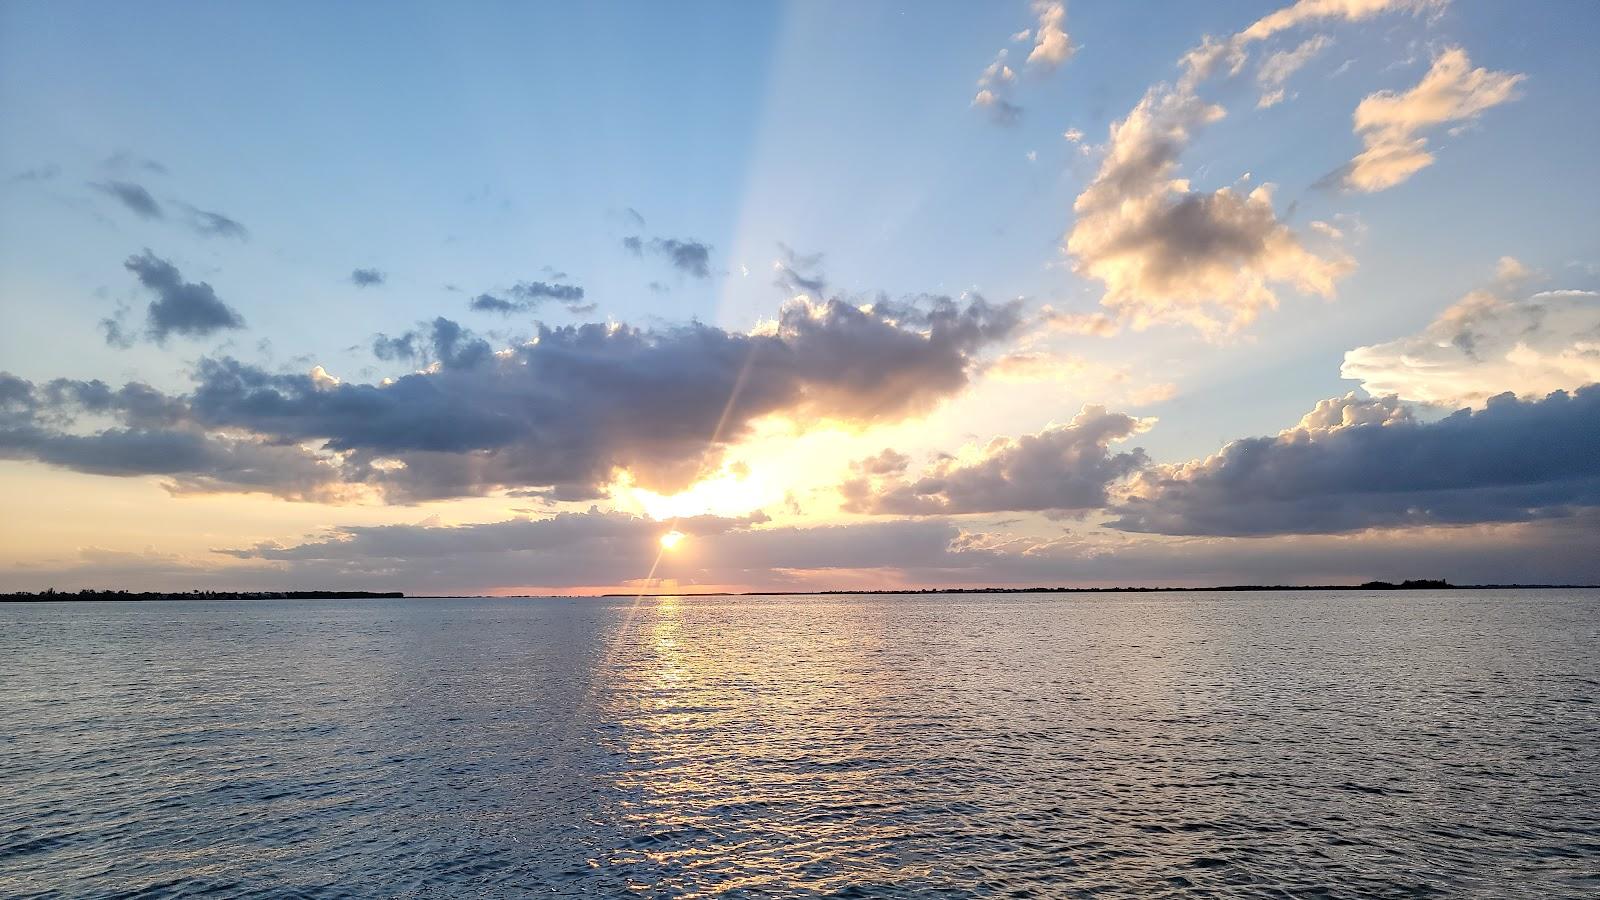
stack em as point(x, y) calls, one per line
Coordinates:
point(672, 539)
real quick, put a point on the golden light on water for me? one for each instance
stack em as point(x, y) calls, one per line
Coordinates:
point(671, 540)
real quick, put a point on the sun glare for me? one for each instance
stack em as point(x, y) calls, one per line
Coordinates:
point(671, 540)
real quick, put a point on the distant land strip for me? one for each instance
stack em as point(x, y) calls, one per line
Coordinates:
point(51, 596)
point(1409, 585)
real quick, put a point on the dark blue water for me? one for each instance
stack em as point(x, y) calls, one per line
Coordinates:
point(1287, 744)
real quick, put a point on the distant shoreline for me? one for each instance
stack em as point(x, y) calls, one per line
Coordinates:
point(147, 596)
point(138, 596)
point(1226, 588)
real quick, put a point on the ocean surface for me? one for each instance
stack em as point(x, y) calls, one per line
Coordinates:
point(1275, 744)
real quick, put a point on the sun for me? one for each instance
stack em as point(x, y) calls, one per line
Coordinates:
point(672, 539)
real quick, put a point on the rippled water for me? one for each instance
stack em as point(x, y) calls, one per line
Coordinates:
point(1017, 745)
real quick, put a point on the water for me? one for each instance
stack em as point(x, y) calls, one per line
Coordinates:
point(1299, 744)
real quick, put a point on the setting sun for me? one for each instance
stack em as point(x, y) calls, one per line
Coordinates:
point(672, 539)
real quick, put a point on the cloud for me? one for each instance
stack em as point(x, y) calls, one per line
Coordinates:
point(526, 295)
point(181, 307)
point(1001, 111)
point(799, 273)
point(123, 161)
point(1062, 469)
point(535, 557)
point(139, 200)
point(1488, 344)
point(1167, 253)
point(155, 436)
point(442, 342)
point(491, 303)
point(607, 548)
point(132, 196)
point(1051, 45)
point(1318, 10)
point(575, 405)
point(690, 257)
point(1390, 124)
point(1170, 254)
point(46, 172)
point(1096, 324)
point(1355, 464)
point(994, 87)
point(542, 290)
point(583, 550)
point(1024, 366)
point(1051, 48)
point(367, 277)
point(215, 224)
point(1277, 68)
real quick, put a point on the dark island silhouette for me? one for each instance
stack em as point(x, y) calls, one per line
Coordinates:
point(54, 596)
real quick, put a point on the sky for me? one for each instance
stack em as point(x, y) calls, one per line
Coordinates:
point(584, 298)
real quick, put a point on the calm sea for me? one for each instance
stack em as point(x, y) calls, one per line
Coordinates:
point(1281, 744)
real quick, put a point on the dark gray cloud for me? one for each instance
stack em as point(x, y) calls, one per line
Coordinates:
point(687, 256)
point(136, 404)
point(367, 277)
point(1358, 464)
point(799, 273)
point(526, 295)
point(443, 341)
point(576, 550)
point(883, 553)
point(123, 161)
point(403, 348)
point(580, 402)
point(491, 303)
point(45, 172)
point(1002, 112)
point(215, 224)
point(139, 200)
point(568, 409)
point(1065, 469)
point(534, 291)
point(153, 436)
point(132, 196)
point(181, 307)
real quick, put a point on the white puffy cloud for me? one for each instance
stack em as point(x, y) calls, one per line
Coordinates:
point(1213, 260)
point(1391, 124)
point(1487, 344)
point(994, 91)
point(1167, 253)
point(1052, 47)
point(1051, 44)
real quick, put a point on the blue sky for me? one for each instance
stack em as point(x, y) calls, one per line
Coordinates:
point(462, 151)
